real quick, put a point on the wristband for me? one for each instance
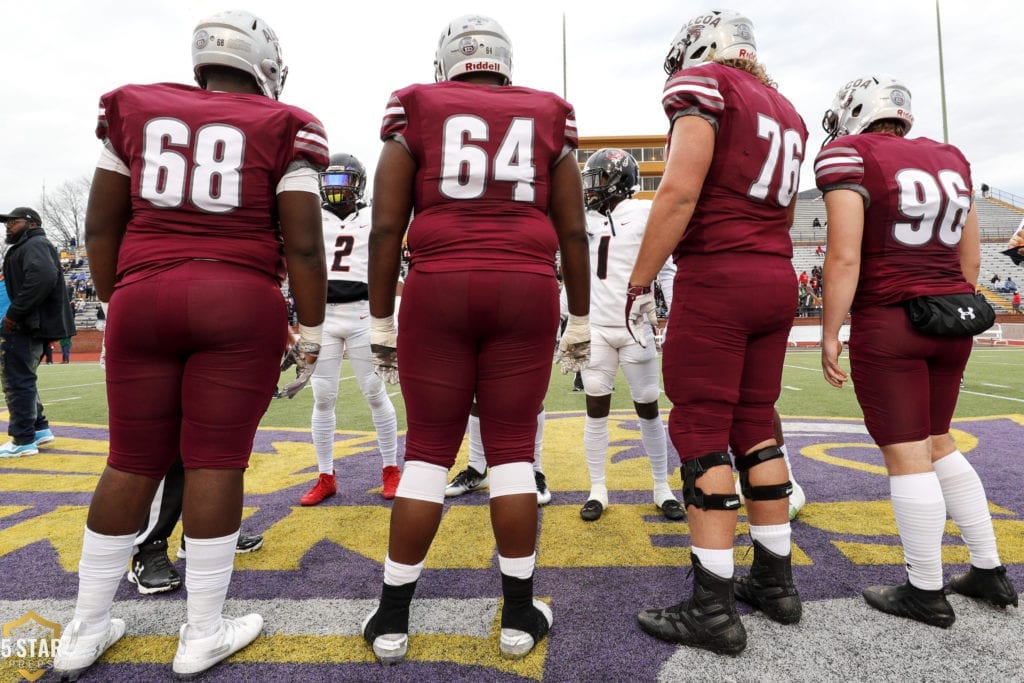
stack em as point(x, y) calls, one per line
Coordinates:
point(313, 334)
point(384, 325)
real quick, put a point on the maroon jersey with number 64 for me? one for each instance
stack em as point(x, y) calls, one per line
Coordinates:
point(484, 157)
point(917, 194)
point(759, 146)
point(204, 173)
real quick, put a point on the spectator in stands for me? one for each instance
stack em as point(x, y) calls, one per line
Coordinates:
point(722, 364)
point(1016, 302)
point(1009, 285)
point(820, 251)
point(816, 223)
point(38, 314)
point(803, 277)
point(995, 280)
point(196, 319)
point(984, 190)
point(906, 381)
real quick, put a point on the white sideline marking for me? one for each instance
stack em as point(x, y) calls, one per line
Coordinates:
point(997, 386)
point(76, 386)
point(1005, 398)
point(800, 367)
point(69, 398)
point(786, 386)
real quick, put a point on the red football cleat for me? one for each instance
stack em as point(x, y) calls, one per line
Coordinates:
point(390, 477)
point(324, 488)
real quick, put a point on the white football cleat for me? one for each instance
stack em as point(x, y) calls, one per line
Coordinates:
point(199, 654)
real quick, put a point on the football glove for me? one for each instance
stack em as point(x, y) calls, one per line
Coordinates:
point(574, 347)
point(640, 308)
point(303, 356)
point(384, 346)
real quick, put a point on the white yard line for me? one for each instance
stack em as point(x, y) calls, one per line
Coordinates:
point(1004, 398)
point(786, 386)
point(800, 367)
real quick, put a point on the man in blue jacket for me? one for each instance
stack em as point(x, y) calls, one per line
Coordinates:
point(39, 313)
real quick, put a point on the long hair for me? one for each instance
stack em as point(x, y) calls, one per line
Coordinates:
point(755, 69)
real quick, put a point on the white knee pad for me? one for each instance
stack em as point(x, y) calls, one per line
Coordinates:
point(512, 478)
point(423, 481)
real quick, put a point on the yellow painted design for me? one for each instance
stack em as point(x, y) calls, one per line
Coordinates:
point(61, 528)
point(464, 540)
point(623, 537)
point(359, 528)
point(294, 464)
point(964, 441)
point(8, 510)
point(820, 452)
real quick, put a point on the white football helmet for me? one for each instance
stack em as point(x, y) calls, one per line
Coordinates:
point(473, 43)
point(711, 36)
point(240, 40)
point(865, 100)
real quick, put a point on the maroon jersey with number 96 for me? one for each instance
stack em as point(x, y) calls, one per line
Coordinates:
point(204, 173)
point(917, 194)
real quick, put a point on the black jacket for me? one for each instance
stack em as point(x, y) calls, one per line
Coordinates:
point(35, 283)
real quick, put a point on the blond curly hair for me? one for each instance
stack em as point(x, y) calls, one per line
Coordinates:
point(755, 69)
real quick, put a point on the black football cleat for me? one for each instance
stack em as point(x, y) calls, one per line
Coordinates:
point(911, 602)
point(707, 620)
point(769, 587)
point(990, 585)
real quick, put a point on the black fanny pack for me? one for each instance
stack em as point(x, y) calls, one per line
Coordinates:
point(950, 315)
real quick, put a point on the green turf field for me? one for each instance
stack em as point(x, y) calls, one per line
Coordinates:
point(994, 386)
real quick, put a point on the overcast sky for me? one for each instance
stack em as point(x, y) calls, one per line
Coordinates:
point(345, 58)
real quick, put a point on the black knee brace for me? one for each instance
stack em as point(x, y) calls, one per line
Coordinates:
point(695, 496)
point(744, 463)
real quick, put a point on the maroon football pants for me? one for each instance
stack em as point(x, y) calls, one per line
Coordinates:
point(193, 356)
point(487, 334)
point(724, 350)
point(907, 383)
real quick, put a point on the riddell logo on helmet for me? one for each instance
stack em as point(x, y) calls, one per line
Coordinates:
point(482, 66)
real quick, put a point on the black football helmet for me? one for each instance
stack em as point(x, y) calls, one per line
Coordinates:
point(343, 182)
point(609, 176)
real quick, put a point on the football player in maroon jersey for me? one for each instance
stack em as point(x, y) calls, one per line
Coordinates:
point(901, 224)
point(723, 209)
point(491, 172)
point(197, 194)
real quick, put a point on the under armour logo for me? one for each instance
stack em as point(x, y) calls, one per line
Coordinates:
point(968, 313)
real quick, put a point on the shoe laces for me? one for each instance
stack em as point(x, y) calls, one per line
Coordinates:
point(157, 561)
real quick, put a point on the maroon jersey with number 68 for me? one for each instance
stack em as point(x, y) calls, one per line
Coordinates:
point(917, 194)
point(484, 157)
point(204, 173)
point(759, 146)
